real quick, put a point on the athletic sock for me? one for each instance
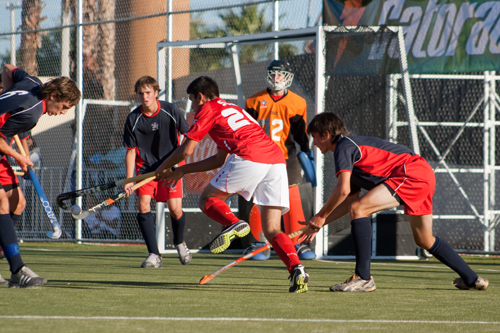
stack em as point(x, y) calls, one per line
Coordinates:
point(178, 226)
point(8, 242)
point(445, 253)
point(361, 231)
point(283, 246)
point(220, 212)
point(147, 226)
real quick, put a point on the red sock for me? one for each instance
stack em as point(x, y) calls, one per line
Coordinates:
point(220, 212)
point(283, 246)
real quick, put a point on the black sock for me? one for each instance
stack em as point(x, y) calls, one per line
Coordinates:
point(445, 253)
point(361, 231)
point(178, 226)
point(147, 226)
point(8, 241)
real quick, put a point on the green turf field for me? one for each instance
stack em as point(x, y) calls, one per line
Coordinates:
point(94, 288)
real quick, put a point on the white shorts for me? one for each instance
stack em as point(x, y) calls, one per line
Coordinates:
point(266, 183)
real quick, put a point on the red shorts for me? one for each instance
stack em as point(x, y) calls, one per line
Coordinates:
point(7, 176)
point(159, 192)
point(414, 183)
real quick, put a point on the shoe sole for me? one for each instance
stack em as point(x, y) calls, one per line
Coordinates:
point(302, 285)
point(151, 266)
point(368, 290)
point(221, 243)
point(37, 283)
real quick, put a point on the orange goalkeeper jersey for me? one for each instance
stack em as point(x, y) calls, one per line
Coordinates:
point(283, 120)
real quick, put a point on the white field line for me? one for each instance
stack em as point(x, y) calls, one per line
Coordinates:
point(257, 319)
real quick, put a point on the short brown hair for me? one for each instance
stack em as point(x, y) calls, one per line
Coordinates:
point(327, 122)
point(64, 88)
point(146, 80)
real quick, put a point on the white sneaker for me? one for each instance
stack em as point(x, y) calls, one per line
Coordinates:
point(184, 253)
point(152, 261)
point(26, 278)
point(3, 282)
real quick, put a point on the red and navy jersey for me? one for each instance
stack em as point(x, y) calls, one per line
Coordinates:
point(235, 132)
point(21, 105)
point(284, 120)
point(153, 137)
point(369, 160)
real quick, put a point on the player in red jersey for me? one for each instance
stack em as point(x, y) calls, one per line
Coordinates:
point(393, 175)
point(251, 165)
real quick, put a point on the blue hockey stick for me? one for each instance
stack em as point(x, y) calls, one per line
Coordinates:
point(307, 164)
point(43, 198)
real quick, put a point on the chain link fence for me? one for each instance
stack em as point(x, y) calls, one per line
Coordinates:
point(108, 47)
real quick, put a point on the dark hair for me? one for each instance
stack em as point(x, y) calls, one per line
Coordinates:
point(205, 85)
point(146, 80)
point(327, 122)
point(64, 88)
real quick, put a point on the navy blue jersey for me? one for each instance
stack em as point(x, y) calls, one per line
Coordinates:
point(370, 160)
point(154, 137)
point(21, 105)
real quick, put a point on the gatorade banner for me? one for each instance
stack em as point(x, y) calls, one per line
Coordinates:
point(441, 36)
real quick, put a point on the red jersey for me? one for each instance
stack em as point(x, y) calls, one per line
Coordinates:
point(235, 132)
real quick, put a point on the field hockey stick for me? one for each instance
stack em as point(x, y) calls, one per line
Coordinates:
point(110, 201)
point(98, 188)
point(56, 227)
point(207, 278)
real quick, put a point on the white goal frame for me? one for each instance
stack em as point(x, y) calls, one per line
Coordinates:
point(490, 218)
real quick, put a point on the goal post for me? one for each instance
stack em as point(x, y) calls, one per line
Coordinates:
point(360, 73)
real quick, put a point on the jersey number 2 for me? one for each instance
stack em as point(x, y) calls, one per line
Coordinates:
point(235, 119)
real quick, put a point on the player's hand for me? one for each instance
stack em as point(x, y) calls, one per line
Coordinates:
point(172, 178)
point(128, 189)
point(315, 224)
point(23, 162)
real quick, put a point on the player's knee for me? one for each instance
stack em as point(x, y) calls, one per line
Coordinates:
point(356, 210)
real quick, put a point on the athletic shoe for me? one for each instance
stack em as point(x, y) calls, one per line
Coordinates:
point(184, 253)
point(26, 278)
point(264, 255)
point(228, 234)
point(152, 261)
point(299, 279)
point(3, 282)
point(480, 284)
point(305, 252)
point(355, 284)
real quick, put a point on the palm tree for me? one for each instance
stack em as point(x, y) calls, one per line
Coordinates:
point(244, 21)
point(106, 46)
point(31, 16)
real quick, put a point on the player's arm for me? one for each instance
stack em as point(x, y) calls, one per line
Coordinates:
point(22, 161)
point(210, 163)
point(7, 79)
point(181, 153)
point(129, 168)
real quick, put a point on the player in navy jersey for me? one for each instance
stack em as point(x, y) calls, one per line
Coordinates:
point(393, 175)
point(251, 165)
point(151, 134)
point(22, 103)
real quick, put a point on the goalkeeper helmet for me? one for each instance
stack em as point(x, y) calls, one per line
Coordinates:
point(279, 75)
